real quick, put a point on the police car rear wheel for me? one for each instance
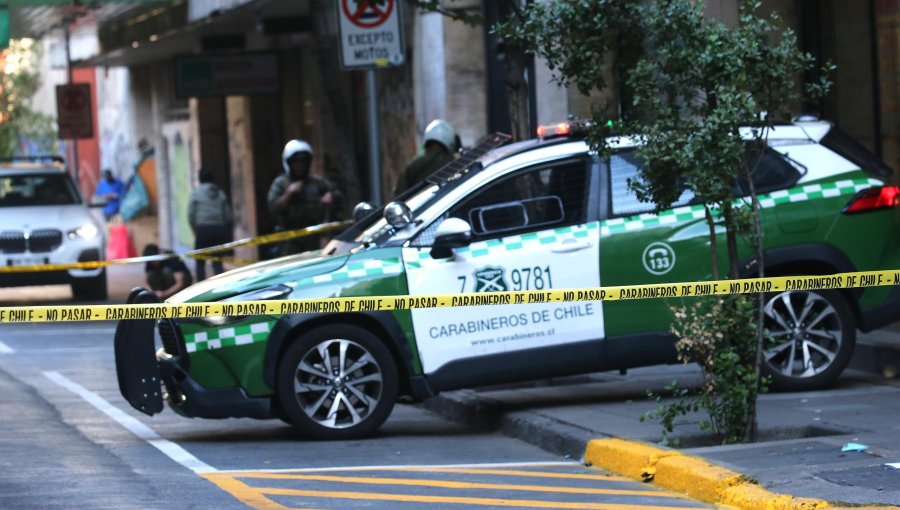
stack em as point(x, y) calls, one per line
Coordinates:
point(337, 382)
point(811, 338)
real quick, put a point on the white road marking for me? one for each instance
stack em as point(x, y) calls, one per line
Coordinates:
point(388, 467)
point(5, 349)
point(170, 449)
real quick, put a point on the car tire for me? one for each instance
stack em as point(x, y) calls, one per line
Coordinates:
point(337, 401)
point(811, 338)
point(90, 289)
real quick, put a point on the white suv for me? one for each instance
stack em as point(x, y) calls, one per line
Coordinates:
point(44, 220)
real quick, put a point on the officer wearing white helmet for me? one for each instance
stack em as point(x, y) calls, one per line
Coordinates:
point(299, 198)
point(441, 145)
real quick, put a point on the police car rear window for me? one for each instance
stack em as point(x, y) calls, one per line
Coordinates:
point(849, 148)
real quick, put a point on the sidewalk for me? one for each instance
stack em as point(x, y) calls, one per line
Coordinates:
point(801, 434)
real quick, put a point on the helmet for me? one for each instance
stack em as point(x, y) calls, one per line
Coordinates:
point(291, 148)
point(441, 132)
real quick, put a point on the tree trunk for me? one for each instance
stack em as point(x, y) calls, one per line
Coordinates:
point(517, 93)
point(713, 245)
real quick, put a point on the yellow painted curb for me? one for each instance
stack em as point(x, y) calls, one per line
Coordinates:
point(688, 475)
point(627, 458)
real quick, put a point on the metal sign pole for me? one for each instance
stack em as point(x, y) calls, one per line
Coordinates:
point(74, 140)
point(374, 156)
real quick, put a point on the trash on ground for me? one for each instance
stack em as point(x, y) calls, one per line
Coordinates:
point(854, 447)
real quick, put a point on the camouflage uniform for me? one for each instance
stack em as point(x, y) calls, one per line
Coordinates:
point(303, 210)
point(420, 168)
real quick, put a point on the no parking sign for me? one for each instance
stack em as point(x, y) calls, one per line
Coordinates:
point(370, 33)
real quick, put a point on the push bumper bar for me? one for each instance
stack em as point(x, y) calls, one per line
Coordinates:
point(142, 371)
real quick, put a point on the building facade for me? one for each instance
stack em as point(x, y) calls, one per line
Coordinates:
point(276, 73)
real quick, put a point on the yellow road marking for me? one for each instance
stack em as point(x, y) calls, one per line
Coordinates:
point(448, 484)
point(517, 472)
point(244, 493)
point(410, 498)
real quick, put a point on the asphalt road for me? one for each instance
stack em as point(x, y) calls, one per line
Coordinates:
point(71, 441)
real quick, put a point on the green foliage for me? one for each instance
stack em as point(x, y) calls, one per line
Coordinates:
point(688, 85)
point(719, 334)
point(668, 412)
point(18, 84)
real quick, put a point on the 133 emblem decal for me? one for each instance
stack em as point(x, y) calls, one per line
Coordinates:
point(659, 258)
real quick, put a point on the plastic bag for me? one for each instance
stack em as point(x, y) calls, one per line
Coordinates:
point(119, 244)
point(136, 199)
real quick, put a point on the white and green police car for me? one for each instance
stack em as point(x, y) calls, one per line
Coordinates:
point(540, 214)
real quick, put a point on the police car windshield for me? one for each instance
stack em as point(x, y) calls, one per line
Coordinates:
point(370, 228)
point(374, 230)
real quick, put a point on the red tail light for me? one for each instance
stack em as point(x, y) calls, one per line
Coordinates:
point(874, 198)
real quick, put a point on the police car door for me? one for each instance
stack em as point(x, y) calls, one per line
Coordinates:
point(530, 232)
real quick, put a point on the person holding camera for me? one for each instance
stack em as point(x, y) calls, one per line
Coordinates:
point(299, 198)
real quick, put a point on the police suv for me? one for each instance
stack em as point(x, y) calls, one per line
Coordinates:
point(541, 214)
point(44, 220)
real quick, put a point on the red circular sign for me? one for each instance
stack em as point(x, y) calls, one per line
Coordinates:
point(367, 13)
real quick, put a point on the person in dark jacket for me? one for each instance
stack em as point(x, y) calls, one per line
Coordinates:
point(441, 146)
point(165, 277)
point(209, 214)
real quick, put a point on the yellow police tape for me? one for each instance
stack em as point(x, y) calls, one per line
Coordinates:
point(202, 253)
point(388, 303)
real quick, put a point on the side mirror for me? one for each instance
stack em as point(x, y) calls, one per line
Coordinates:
point(362, 209)
point(397, 214)
point(451, 233)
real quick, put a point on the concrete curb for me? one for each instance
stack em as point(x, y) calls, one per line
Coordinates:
point(692, 476)
point(666, 468)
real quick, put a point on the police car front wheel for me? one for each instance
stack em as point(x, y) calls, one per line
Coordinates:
point(337, 382)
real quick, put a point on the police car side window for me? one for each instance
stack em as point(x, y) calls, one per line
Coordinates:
point(534, 199)
point(623, 168)
point(770, 171)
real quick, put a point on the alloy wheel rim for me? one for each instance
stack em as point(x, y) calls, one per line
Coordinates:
point(805, 334)
point(338, 383)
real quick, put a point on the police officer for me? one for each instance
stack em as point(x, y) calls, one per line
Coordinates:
point(440, 148)
point(299, 198)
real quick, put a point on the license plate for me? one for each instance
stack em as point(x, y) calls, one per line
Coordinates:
point(26, 261)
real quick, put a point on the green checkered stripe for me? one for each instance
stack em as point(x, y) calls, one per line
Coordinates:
point(359, 269)
point(244, 334)
point(512, 243)
point(696, 212)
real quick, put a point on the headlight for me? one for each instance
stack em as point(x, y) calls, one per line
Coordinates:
point(86, 231)
point(266, 294)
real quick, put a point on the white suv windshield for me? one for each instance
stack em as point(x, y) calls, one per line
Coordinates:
point(37, 190)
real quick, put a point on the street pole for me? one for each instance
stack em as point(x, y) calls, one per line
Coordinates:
point(74, 140)
point(374, 156)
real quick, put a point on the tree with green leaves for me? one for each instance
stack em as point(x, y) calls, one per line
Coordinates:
point(18, 84)
point(701, 96)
